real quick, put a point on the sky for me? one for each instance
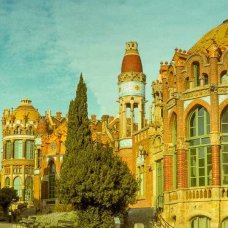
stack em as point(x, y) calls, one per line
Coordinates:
point(45, 45)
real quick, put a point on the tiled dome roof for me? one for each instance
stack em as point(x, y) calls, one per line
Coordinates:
point(131, 61)
point(218, 35)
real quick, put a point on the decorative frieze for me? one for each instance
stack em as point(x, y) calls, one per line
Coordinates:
point(171, 103)
point(132, 76)
point(192, 94)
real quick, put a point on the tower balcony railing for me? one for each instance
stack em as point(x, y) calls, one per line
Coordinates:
point(199, 194)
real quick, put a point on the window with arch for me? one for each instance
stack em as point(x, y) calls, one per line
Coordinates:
point(29, 149)
point(196, 73)
point(141, 178)
point(199, 154)
point(8, 150)
point(17, 130)
point(225, 223)
point(28, 188)
point(224, 146)
point(7, 182)
point(174, 141)
point(140, 172)
point(17, 185)
point(205, 79)
point(30, 130)
point(200, 222)
point(51, 183)
point(187, 83)
point(224, 77)
point(18, 149)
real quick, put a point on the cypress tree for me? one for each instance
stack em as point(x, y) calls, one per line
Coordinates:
point(78, 131)
point(78, 138)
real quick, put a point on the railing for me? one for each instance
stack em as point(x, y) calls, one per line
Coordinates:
point(196, 194)
point(204, 193)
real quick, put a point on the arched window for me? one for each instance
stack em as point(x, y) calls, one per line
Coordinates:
point(225, 223)
point(7, 182)
point(199, 155)
point(30, 130)
point(174, 140)
point(196, 73)
point(224, 146)
point(51, 174)
point(8, 150)
point(28, 188)
point(205, 78)
point(29, 149)
point(17, 130)
point(18, 149)
point(200, 222)
point(187, 83)
point(17, 185)
point(224, 77)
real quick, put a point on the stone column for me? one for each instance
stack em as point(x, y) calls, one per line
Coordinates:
point(214, 113)
point(168, 168)
point(182, 168)
point(132, 118)
point(4, 150)
point(140, 116)
point(24, 148)
point(23, 183)
point(11, 176)
point(12, 148)
point(215, 148)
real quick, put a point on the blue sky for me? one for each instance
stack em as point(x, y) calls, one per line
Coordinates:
point(44, 45)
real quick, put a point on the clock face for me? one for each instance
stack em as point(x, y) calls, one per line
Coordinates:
point(53, 145)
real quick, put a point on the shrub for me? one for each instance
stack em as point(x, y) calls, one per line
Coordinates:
point(51, 220)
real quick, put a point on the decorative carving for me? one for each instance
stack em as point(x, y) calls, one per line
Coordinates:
point(181, 144)
point(223, 90)
point(195, 94)
point(131, 76)
point(215, 138)
point(171, 103)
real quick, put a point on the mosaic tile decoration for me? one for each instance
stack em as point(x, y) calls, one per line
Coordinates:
point(131, 89)
point(125, 143)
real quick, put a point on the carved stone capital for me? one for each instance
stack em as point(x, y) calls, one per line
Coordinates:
point(168, 149)
point(215, 138)
point(181, 144)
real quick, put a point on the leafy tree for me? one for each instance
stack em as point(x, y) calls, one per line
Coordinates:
point(102, 187)
point(7, 195)
point(95, 181)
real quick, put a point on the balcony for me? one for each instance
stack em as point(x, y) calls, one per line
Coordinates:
point(200, 194)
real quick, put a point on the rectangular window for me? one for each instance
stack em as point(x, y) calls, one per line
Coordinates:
point(18, 149)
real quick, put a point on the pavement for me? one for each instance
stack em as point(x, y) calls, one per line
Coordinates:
point(6, 225)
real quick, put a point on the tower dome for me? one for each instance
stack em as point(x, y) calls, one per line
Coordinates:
point(218, 35)
point(26, 109)
point(131, 61)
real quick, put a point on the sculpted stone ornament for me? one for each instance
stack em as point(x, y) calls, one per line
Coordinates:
point(181, 144)
point(215, 138)
point(213, 50)
point(131, 76)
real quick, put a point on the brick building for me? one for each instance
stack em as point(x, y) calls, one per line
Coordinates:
point(179, 155)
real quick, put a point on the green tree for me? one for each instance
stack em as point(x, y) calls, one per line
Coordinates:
point(103, 180)
point(94, 180)
point(78, 131)
point(7, 195)
point(78, 137)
